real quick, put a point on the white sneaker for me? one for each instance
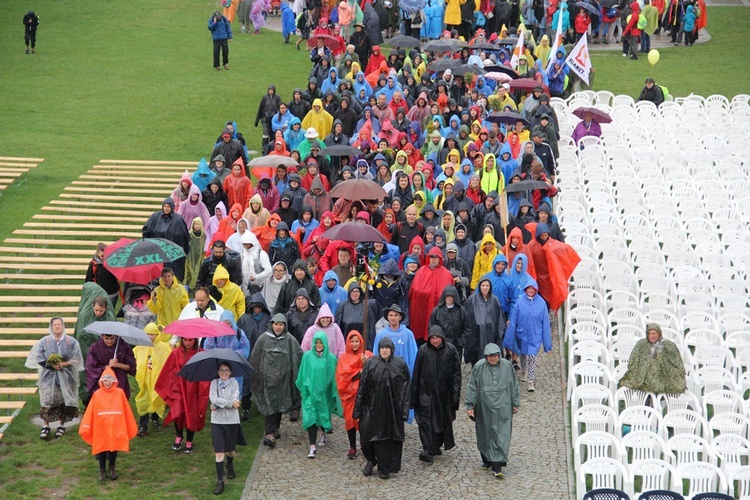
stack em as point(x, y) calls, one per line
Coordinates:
point(322, 441)
point(530, 386)
point(312, 452)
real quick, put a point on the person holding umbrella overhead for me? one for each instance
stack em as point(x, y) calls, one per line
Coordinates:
point(94, 306)
point(109, 351)
point(226, 432)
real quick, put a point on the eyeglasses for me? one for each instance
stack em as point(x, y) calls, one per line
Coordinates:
point(225, 370)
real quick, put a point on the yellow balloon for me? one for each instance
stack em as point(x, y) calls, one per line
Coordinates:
point(653, 56)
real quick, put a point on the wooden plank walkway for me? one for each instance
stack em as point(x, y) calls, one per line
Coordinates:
point(11, 168)
point(42, 264)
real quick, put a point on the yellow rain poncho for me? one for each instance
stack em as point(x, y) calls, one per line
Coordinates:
point(483, 259)
point(319, 119)
point(149, 362)
point(232, 298)
point(167, 304)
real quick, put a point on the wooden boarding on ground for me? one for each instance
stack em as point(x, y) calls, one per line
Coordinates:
point(114, 188)
point(92, 218)
point(21, 343)
point(13, 355)
point(76, 225)
point(39, 267)
point(91, 234)
point(12, 168)
point(86, 197)
point(29, 259)
point(48, 251)
point(40, 298)
point(36, 320)
point(39, 286)
point(12, 391)
point(42, 277)
point(97, 211)
point(187, 164)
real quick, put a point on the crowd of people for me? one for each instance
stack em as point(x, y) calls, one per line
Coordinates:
point(468, 269)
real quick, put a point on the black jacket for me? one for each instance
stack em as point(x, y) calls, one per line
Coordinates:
point(252, 325)
point(289, 290)
point(453, 321)
point(232, 263)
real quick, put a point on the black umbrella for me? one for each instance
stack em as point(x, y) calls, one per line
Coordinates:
point(340, 150)
point(484, 46)
point(443, 63)
point(468, 68)
point(440, 46)
point(404, 41)
point(526, 186)
point(205, 365)
point(499, 68)
point(508, 41)
point(585, 5)
point(506, 117)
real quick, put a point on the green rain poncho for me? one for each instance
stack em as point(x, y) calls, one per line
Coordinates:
point(656, 368)
point(492, 392)
point(276, 362)
point(85, 317)
point(316, 382)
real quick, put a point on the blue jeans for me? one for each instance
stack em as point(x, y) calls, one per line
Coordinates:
point(645, 42)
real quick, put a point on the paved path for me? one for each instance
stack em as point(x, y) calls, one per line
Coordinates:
point(538, 465)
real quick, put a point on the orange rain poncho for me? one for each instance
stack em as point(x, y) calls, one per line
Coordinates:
point(108, 424)
point(347, 377)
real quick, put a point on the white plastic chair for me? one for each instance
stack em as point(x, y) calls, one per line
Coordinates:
point(618, 298)
point(643, 445)
point(586, 330)
point(715, 378)
point(626, 398)
point(685, 422)
point(590, 394)
point(729, 423)
point(662, 317)
point(702, 477)
point(589, 350)
point(736, 342)
point(624, 333)
point(703, 337)
point(685, 401)
point(584, 297)
point(593, 418)
point(688, 448)
point(627, 316)
point(742, 477)
point(593, 445)
point(604, 472)
point(657, 301)
point(722, 402)
point(711, 355)
point(699, 320)
point(587, 313)
point(732, 450)
point(590, 372)
point(640, 418)
point(654, 474)
point(734, 322)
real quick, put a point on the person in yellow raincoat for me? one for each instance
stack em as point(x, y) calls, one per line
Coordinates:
point(318, 119)
point(487, 252)
point(167, 300)
point(149, 362)
point(232, 299)
point(452, 17)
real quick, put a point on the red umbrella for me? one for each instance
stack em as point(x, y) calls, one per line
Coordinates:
point(140, 261)
point(358, 189)
point(528, 84)
point(196, 328)
point(117, 244)
point(329, 41)
point(599, 115)
point(353, 232)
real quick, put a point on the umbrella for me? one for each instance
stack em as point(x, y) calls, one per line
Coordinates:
point(468, 68)
point(353, 232)
point(273, 161)
point(506, 117)
point(329, 41)
point(341, 150)
point(508, 41)
point(484, 46)
point(499, 68)
point(528, 84)
point(500, 77)
point(129, 334)
point(585, 5)
point(404, 41)
point(443, 63)
point(205, 365)
point(440, 46)
point(196, 328)
point(411, 5)
point(599, 115)
point(526, 186)
point(358, 189)
point(142, 260)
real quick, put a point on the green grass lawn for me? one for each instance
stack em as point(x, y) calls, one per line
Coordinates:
point(134, 80)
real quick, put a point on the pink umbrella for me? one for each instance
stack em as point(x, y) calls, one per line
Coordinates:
point(196, 328)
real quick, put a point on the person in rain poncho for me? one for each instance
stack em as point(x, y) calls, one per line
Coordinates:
point(331, 293)
point(195, 256)
point(554, 263)
point(109, 351)
point(348, 374)
point(167, 224)
point(382, 406)
point(238, 342)
point(231, 297)
point(436, 393)
point(226, 433)
point(276, 358)
point(351, 314)
point(528, 330)
point(168, 300)
point(149, 363)
point(318, 119)
point(492, 398)
point(108, 424)
point(655, 365)
point(316, 382)
point(273, 285)
point(193, 207)
point(256, 214)
point(57, 358)
point(94, 306)
point(425, 291)
point(187, 401)
point(181, 193)
point(324, 323)
point(486, 320)
point(256, 266)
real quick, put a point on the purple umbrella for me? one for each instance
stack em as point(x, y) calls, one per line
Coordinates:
point(353, 232)
point(599, 115)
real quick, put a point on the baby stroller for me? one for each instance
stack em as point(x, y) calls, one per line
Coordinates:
point(135, 310)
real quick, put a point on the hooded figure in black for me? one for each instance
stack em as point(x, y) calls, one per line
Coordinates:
point(522, 219)
point(299, 278)
point(298, 106)
point(211, 199)
point(285, 211)
point(255, 320)
point(435, 393)
point(283, 247)
point(301, 315)
point(382, 406)
point(486, 321)
point(350, 314)
point(544, 215)
point(387, 290)
point(452, 317)
point(296, 191)
point(169, 225)
point(268, 106)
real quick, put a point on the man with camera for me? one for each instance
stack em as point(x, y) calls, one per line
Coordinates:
point(221, 33)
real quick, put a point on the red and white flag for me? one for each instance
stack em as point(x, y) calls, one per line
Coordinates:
point(558, 38)
point(517, 51)
point(579, 61)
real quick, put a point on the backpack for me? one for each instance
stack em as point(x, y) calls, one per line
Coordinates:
point(664, 91)
point(642, 22)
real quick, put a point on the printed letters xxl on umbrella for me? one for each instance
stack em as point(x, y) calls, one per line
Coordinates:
point(358, 189)
point(142, 261)
point(196, 328)
point(205, 365)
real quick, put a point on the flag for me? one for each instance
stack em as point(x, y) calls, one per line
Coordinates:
point(579, 60)
point(517, 51)
point(558, 38)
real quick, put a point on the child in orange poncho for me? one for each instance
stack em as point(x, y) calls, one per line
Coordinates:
point(348, 372)
point(108, 424)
